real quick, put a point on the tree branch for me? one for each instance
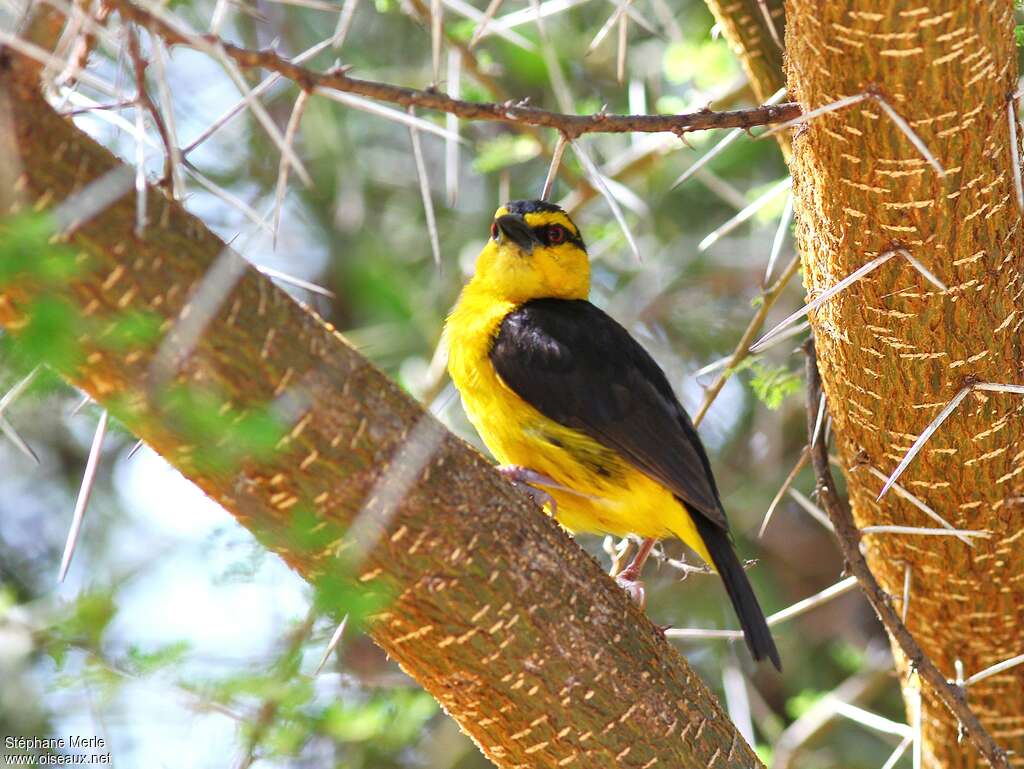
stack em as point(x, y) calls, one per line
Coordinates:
point(493, 609)
point(509, 112)
point(849, 535)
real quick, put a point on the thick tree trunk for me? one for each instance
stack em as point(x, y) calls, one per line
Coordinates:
point(494, 610)
point(893, 348)
point(758, 46)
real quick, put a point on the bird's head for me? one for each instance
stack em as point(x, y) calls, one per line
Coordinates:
point(534, 251)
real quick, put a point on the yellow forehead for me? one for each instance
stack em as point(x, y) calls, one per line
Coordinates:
point(538, 218)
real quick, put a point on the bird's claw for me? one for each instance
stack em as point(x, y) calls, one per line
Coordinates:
point(529, 480)
point(634, 588)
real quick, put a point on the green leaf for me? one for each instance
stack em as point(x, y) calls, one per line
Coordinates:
point(148, 662)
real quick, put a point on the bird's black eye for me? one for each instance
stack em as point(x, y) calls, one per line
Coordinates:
point(556, 234)
point(494, 230)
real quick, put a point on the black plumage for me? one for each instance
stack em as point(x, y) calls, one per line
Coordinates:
point(577, 366)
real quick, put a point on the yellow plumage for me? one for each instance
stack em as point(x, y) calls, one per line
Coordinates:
point(606, 493)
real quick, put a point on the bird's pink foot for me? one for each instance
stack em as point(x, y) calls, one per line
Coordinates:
point(529, 481)
point(633, 586)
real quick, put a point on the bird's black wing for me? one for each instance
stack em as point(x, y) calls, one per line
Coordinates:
point(578, 367)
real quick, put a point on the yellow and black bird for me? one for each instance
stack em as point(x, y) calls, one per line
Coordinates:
point(568, 402)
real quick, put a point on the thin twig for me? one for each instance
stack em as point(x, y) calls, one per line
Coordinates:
point(849, 542)
point(509, 112)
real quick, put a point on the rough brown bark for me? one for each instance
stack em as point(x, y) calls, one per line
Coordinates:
point(495, 611)
point(744, 25)
point(893, 349)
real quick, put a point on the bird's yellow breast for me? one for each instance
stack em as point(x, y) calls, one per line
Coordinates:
point(603, 493)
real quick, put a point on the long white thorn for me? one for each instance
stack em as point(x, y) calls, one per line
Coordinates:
point(556, 162)
point(994, 387)
point(819, 420)
point(531, 14)
point(602, 33)
point(481, 27)
point(15, 437)
point(724, 142)
point(140, 168)
point(766, 14)
point(265, 85)
point(823, 297)
point(800, 464)
point(992, 670)
point(163, 91)
point(928, 275)
point(909, 132)
point(348, 12)
point(291, 280)
point(905, 607)
point(436, 38)
point(913, 499)
point(331, 645)
point(424, 182)
point(19, 387)
point(817, 112)
point(394, 115)
point(492, 26)
point(872, 720)
point(597, 179)
point(451, 147)
point(923, 531)
point(282, 172)
point(232, 200)
point(745, 214)
point(897, 754)
point(780, 238)
point(1018, 186)
point(84, 492)
point(923, 439)
point(800, 607)
point(620, 57)
point(811, 509)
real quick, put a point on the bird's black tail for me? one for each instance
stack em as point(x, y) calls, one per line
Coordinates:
point(748, 610)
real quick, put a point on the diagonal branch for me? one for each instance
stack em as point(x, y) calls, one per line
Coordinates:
point(848, 536)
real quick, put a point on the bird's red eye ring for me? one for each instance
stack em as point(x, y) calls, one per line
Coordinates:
point(494, 230)
point(556, 234)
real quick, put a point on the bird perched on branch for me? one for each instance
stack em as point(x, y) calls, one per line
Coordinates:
point(570, 404)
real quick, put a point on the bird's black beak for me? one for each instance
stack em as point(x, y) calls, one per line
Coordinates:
point(516, 229)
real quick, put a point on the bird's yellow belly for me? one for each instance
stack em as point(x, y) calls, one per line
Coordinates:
point(602, 494)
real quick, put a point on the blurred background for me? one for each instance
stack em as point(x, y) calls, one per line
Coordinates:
point(175, 636)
